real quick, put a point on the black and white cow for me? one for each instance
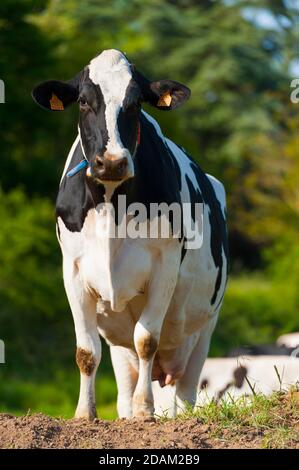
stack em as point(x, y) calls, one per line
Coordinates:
point(288, 340)
point(155, 302)
point(229, 378)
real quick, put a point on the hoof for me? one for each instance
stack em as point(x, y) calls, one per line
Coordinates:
point(144, 415)
point(88, 414)
point(144, 419)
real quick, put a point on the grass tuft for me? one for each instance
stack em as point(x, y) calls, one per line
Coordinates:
point(272, 420)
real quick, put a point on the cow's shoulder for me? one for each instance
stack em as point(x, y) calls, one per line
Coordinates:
point(75, 196)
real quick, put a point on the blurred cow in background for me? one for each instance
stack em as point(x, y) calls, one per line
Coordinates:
point(230, 378)
point(262, 368)
point(234, 377)
point(289, 340)
point(260, 350)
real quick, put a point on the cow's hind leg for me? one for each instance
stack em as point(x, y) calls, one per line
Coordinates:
point(126, 378)
point(88, 354)
point(187, 385)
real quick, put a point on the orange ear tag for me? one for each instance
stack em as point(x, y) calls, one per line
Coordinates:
point(165, 99)
point(56, 104)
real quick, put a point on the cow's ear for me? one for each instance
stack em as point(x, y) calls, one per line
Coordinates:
point(168, 94)
point(55, 95)
point(163, 94)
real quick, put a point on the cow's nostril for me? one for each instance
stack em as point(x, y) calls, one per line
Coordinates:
point(122, 165)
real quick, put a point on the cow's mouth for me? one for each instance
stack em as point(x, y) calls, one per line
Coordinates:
point(107, 179)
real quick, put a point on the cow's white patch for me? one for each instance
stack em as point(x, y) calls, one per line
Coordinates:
point(112, 73)
point(81, 143)
point(219, 191)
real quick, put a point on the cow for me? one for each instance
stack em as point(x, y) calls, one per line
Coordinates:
point(288, 340)
point(231, 378)
point(154, 300)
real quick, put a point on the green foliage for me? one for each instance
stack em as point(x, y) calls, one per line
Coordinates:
point(35, 319)
point(256, 310)
point(28, 248)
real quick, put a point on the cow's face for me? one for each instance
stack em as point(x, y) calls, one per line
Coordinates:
point(110, 92)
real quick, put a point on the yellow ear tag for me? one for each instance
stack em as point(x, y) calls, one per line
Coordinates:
point(165, 99)
point(56, 104)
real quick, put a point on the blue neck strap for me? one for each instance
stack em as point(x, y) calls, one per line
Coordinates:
point(83, 164)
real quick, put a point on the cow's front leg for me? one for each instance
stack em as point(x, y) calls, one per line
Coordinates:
point(88, 353)
point(148, 329)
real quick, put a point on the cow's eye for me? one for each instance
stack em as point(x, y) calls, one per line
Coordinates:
point(83, 103)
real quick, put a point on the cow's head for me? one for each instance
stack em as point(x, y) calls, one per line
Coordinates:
point(110, 92)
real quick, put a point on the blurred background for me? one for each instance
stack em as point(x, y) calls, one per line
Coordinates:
point(239, 58)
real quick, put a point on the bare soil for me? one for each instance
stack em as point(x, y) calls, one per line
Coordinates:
point(40, 431)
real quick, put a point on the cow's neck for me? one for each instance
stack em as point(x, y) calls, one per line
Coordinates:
point(155, 180)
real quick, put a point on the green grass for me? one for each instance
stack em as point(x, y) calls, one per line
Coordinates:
point(273, 419)
point(56, 397)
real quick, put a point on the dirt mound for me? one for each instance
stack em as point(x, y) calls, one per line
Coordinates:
point(40, 431)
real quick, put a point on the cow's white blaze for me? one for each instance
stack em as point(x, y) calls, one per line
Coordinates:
point(112, 73)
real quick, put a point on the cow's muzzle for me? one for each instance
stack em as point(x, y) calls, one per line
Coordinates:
point(110, 168)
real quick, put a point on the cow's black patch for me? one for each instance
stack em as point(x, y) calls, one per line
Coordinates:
point(92, 120)
point(155, 180)
point(206, 194)
point(176, 167)
point(204, 384)
point(184, 249)
point(239, 376)
point(195, 196)
point(129, 117)
point(77, 195)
